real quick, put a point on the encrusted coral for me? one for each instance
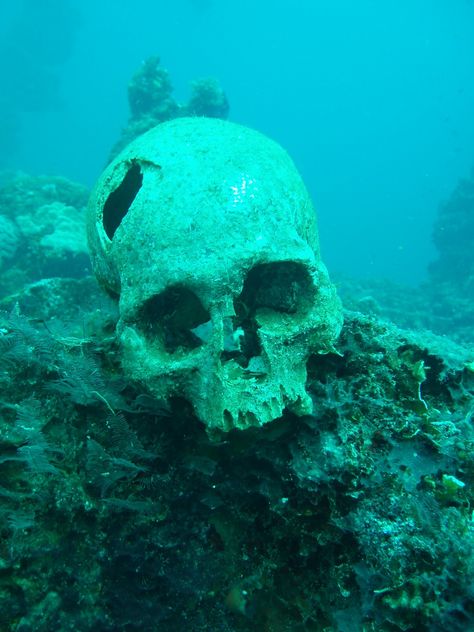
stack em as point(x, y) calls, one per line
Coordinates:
point(150, 92)
point(58, 228)
point(151, 101)
point(21, 193)
point(46, 215)
point(207, 99)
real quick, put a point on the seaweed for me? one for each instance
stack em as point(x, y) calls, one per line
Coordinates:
point(21, 343)
point(106, 471)
point(32, 448)
point(124, 440)
point(81, 381)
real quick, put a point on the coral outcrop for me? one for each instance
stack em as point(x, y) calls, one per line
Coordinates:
point(453, 236)
point(151, 101)
point(444, 302)
point(42, 221)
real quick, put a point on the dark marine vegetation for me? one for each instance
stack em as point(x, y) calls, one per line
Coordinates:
point(118, 511)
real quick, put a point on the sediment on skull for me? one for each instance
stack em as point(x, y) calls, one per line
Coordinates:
point(167, 319)
point(121, 199)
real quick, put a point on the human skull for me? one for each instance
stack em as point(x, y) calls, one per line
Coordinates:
point(205, 231)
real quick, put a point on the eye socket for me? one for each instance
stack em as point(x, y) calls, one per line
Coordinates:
point(121, 199)
point(283, 286)
point(170, 317)
point(270, 289)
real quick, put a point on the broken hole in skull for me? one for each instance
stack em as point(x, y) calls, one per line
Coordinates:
point(169, 318)
point(121, 199)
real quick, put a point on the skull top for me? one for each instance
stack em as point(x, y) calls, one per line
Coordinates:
point(206, 233)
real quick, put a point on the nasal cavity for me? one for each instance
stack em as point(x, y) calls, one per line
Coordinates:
point(121, 199)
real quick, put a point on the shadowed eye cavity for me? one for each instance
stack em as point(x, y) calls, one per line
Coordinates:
point(168, 319)
point(283, 286)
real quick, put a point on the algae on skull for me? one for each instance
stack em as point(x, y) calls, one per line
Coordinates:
point(206, 232)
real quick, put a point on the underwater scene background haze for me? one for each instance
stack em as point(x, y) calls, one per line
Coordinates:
point(350, 508)
point(373, 101)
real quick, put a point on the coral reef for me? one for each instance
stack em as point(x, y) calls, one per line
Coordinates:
point(438, 307)
point(207, 99)
point(22, 192)
point(151, 101)
point(150, 93)
point(118, 512)
point(444, 303)
point(42, 221)
point(58, 228)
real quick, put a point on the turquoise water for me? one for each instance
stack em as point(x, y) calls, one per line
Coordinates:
point(373, 102)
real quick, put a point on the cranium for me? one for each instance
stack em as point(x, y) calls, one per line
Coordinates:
point(206, 233)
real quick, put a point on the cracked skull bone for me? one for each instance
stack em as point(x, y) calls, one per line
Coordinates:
point(205, 232)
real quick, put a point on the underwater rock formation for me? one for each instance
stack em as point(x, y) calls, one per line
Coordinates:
point(150, 93)
point(118, 512)
point(437, 307)
point(43, 228)
point(444, 302)
point(207, 99)
point(151, 101)
point(453, 236)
